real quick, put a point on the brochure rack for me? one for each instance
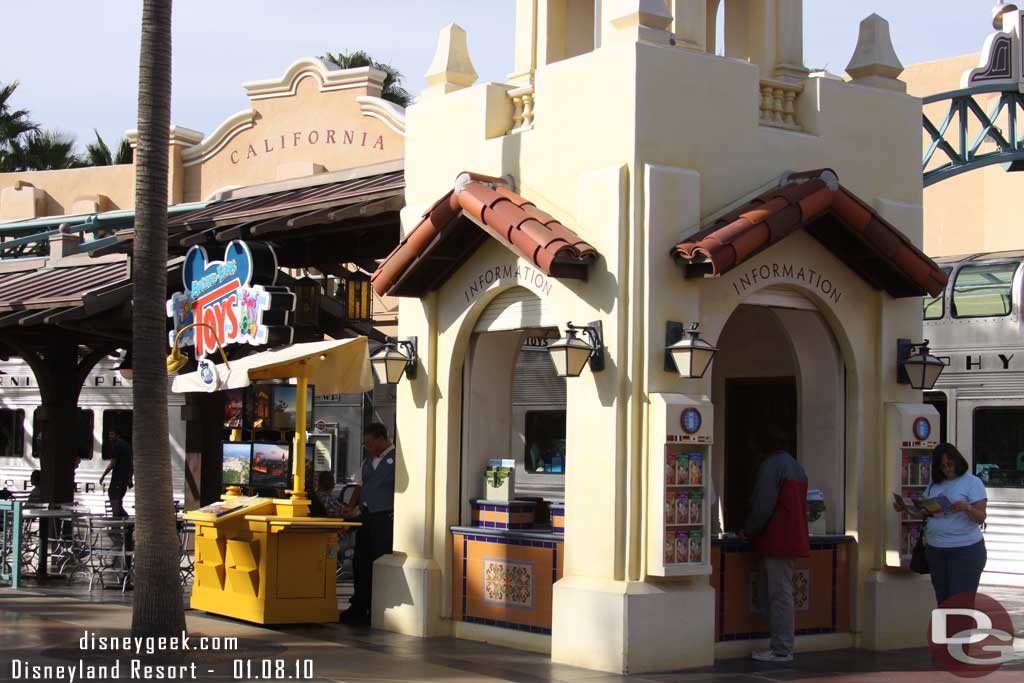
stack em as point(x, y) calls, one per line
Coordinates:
point(912, 432)
point(679, 543)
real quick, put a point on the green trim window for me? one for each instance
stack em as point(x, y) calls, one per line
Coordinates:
point(935, 306)
point(12, 433)
point(984, 290)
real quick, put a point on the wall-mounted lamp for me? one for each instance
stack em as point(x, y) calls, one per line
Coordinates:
point(176, 360)
point(685, 352)
point(916, 366)
point(570, 353)
point(390, 361)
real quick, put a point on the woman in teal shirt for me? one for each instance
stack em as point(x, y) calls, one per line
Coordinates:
point(955, 546)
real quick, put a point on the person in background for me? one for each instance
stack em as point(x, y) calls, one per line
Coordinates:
point(778, 526)
point(954, 544)
point(325, 494)
point(122, 468)
point(377, 503)
point(35, 496)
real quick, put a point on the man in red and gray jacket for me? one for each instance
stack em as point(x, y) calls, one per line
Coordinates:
point(778, 526)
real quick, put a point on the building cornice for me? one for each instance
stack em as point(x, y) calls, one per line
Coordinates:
point(329, 77)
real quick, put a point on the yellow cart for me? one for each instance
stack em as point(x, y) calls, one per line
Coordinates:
point(263, 559)
point(254, 564)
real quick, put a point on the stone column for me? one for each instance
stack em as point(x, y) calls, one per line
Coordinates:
point(525, 59)
point(644, 21)
point(690, 24)
point(789, 46)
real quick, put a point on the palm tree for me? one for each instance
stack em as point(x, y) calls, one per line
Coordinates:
point(157, 608)
point(42, 150)
point(13, 124)
point(98, 154)
point(392, 90)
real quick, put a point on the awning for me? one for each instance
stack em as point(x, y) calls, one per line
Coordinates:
point(455, 227)
point(333, 367)
point(845, 225)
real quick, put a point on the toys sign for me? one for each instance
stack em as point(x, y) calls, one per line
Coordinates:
point(235, 298)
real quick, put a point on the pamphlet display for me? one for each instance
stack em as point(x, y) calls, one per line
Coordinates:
point(679, 490)
point(912, 432)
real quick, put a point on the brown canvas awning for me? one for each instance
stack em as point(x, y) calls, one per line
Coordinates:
point(815, 201)
point(456, 226)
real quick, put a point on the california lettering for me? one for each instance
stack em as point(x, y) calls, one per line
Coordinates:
point(531, 276)
point(787, 271)
point(299, 138)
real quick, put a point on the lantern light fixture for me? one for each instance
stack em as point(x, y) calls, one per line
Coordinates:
point(916, 366)
point(685, 351)
point(570, 354)
point(395, 357)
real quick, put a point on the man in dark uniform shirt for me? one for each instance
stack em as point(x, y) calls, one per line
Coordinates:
point(122, 467)
point(377, 503)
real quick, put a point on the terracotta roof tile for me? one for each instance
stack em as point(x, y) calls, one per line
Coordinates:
point(454, 227)
point(816, 202)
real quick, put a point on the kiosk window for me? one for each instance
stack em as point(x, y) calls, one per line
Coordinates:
point(12, 433)
point(545, 441)
point(983, 290)
point(935, 306)
point(999, 446)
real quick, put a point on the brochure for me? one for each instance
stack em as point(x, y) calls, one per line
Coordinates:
point(929, 506)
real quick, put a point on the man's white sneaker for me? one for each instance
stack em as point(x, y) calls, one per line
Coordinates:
point(769, 656)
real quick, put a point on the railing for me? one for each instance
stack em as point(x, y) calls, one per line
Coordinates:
point(522, 108)
point(778, 104)
point(10, 542)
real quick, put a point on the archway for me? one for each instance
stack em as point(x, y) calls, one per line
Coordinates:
point(779, 364)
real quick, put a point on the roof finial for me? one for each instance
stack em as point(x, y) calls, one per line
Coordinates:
point(874, 61)
point(452, 69)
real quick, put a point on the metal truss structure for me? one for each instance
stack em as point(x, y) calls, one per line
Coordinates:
point(964, 150)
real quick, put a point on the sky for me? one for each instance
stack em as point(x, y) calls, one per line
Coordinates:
point(77, 61)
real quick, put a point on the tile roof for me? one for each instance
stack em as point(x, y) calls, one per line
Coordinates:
point(290, 202)
point(453, 228)
point(59, 286)
point(357, 208)
point(846, 226)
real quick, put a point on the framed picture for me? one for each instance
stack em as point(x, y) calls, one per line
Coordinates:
point(284, 406)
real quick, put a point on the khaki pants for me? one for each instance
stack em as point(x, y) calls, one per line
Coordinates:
point(775, 598)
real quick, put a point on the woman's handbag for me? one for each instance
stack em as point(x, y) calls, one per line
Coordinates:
point(919, 557)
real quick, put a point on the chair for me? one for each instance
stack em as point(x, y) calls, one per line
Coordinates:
point(187, 562)
point(74, 559)
point(110, 550)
